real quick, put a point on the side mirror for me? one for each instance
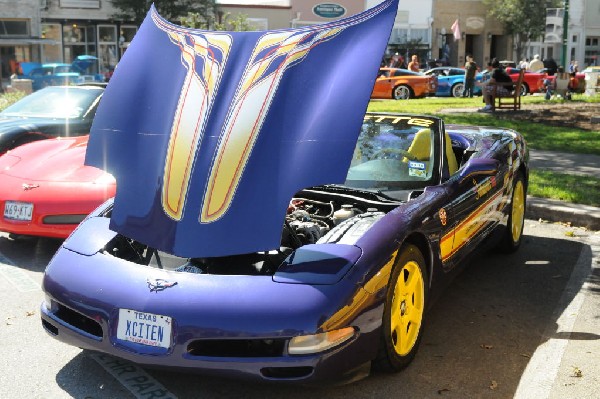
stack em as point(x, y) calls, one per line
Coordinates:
point(478, 167)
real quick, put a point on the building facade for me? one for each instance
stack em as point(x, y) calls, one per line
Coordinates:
point(479, 35)
point(60, 30)
point(84, 27)
point(583, 35)
point(20, 34)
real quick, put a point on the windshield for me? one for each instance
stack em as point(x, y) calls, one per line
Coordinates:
point(394, 153)
point(55, 102)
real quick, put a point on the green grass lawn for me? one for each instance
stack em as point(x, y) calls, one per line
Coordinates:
point(570, 188)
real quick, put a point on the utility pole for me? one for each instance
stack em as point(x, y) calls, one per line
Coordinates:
point(563, 59)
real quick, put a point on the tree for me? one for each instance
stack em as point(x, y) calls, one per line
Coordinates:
point(239, 23)
point(525, 20)
point(135, 10)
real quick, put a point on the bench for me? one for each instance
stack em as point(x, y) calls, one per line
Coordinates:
point(511, 100)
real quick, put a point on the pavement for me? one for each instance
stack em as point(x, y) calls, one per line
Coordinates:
point(584, 165)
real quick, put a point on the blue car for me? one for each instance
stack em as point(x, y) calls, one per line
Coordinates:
point(61, 74)
point(451, 81)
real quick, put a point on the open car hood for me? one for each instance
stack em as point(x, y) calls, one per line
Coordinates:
point(208, 157)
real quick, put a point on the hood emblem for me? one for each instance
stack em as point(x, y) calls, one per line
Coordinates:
point(27, 187)
point(158, 284)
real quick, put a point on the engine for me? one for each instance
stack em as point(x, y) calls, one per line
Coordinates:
point(317, 218)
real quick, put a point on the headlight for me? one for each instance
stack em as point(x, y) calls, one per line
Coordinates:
point(306, 344)
point(47, 302)
point(8, 161)
point(105, 179)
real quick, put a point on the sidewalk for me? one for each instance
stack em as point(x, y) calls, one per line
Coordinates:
point(560, 211)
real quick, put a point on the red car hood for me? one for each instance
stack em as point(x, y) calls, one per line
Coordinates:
point(54, 160)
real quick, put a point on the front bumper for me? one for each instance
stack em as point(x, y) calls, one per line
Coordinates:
point(86, 292)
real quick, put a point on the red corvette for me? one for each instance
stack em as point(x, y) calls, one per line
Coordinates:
point(46, 190)
point(533, 82)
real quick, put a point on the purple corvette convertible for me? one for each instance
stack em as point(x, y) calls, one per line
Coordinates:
point(264, 227)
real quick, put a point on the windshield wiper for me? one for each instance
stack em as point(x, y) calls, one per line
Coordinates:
point(339, 187)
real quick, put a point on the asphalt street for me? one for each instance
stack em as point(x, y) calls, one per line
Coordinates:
point(524, 325)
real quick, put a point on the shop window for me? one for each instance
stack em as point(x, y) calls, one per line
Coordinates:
point(14, 27)
point(80, 3)
point(51, 51)
point(107, 45)
point(126, 35)
point(79, 40)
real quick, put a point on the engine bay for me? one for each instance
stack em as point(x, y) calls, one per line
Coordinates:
point(324, 214)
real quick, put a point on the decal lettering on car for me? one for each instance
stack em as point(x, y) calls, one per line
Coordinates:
point(483, 188)
point(396, 119)
point(460, 235)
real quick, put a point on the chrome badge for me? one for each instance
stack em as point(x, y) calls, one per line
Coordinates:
point(27, 187)
point(158, 284)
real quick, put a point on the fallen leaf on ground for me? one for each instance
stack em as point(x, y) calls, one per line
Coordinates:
point(440, 391)
point(493, 385)
point(577, 372)
point(526, 355)
point(30, 313)
point(486, 346)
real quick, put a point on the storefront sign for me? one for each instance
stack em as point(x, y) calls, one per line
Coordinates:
point(329, 10)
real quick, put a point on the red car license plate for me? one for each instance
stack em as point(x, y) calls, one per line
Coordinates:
point(18, 210)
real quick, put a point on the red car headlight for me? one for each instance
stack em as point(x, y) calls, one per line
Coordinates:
point(7, 161)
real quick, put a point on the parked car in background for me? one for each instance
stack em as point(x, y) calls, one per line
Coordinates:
point(45, 189)
point(508, 64)
point(450, 81)
point(57, 74)
point(533, 82)
point(402, 84)
point(50, 112)
point(579, 75)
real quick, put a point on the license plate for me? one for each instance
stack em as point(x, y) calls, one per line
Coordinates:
point(18, 210)
point(144, 328)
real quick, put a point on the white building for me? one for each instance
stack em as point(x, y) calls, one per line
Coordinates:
point(583, 34)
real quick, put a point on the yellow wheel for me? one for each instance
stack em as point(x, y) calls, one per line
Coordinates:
point(516, 217)
point(404, 310)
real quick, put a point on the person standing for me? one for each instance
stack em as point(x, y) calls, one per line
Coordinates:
point(413, 65)
point(536, 64)
point(470, 71)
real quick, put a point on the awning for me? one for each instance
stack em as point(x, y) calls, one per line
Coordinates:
point(23, 41)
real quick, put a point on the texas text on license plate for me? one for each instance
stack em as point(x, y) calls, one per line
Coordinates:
point(144, 328)
point(18, 210)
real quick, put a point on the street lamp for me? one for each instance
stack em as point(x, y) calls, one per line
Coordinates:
point(563, 58)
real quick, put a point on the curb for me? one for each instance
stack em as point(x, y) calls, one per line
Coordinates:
point(560, 211)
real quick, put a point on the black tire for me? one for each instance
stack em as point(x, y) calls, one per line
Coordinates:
point(401, 304)
point(524, 89)
point(513, 235)
point(402, 92)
